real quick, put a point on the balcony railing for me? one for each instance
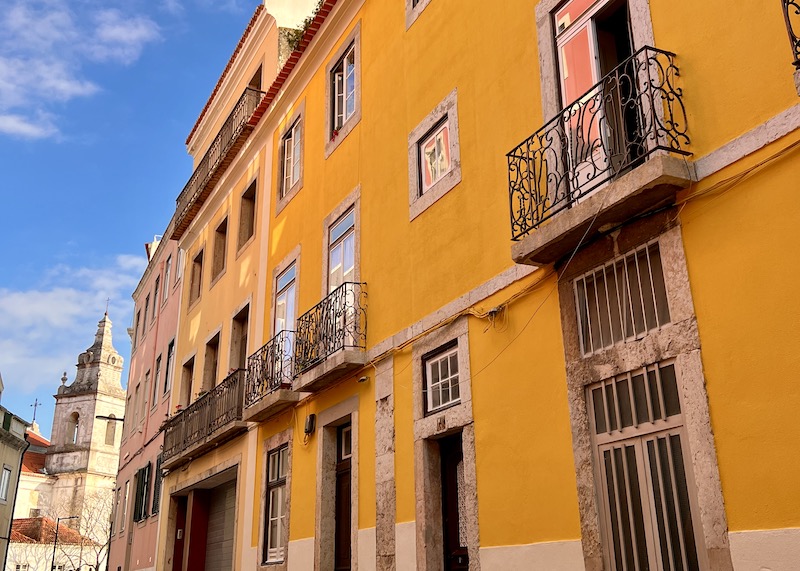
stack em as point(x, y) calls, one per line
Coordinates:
point(217, 157)
point(337, 322)
point(205, 420)
point(791, 13)
point(270, 368)
point(630, 114)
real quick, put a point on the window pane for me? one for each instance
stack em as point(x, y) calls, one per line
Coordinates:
point(343, 225)
point(599, 411)
point(669, 384)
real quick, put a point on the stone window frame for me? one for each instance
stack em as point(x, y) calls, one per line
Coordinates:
point(284, 438)
point(241, 246)
point(226, 221)
point(642, 34)
point(283, 197)
point(352, 200)
point(353, 39)
point(193, 302)
point(678, 340)
point(413, 12)
point(328, 422)
point(292, 257)
point(445, 112)
point(427, 428)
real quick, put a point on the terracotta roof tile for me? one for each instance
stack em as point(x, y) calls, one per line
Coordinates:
point(33, 462)
point(37, 440)
point(42, 530)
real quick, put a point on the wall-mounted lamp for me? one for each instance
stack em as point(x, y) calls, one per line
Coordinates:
point(311, 423)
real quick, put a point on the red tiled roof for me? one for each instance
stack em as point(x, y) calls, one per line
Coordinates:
point(235, 53)
point(285, 71)
point(37, 440)
point(42, 530)
point(17, 537)
point(33, 462)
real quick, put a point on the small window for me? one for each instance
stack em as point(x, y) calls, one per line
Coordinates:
point(187, 379)
point(5, 480)
point(156, 288)
point(292, 148)
point(239, 330)
point(144, 395)
point(167, 271)
point(346, 443)
point(343, 82)
point(156, 381)
point(133, 412)
point(211, 363)
point(146, 310)
point(441, 380)
point(341, 254)
point(124, 513)
point(434, 156)
point(621, 300)
point(142, 493)
point(157, 486)
point(247, 215)
point(136, 329)
point(170, 366)
point(21, 566)
point(111, 430)
point(73, 424)
point(196, 278)
point(343, 91)
point(275, 524)
point(220, 247)
point(285, 301)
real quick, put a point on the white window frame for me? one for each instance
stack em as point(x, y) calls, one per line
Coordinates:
point(421, 196)
point(277, 459)
point(343, 243)
point(280, 561)
point(292, 158)
point(5, 482)
point(433, 363)
point(336, 132)
point(413, 10)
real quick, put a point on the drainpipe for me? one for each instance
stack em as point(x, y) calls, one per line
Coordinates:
point(14, 503)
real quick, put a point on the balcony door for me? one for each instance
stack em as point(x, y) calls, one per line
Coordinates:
point(341, 269)
point(599, 117)
point(285, 316)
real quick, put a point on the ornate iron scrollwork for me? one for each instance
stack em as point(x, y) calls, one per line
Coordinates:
point(631, 113)
point(791, 13)
point(270, 368)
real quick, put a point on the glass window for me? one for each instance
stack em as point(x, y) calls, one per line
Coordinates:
point(434, 156)
point(441, 380)
point(292, 156)
point(275, 522)
point(5, 480)
point(341, 261)
point(343, 77)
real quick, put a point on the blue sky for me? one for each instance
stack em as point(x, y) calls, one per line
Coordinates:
point(96, 100)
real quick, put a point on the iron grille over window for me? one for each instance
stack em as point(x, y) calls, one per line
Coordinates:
point(645, 489)
point(632, 112)
point(621, 300)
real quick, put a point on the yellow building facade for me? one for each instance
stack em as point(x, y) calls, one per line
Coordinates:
point(407, 387)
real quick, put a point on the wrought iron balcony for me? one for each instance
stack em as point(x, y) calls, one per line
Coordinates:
point(210, 420)
point(333, 334)
point(220, 154)
point(269, 378)
point(791, 13)
point(634, 113)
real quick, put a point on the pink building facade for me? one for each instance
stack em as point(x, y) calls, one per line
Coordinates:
point(137, 495)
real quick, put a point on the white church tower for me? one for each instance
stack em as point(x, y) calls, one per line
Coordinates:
point(84, 449)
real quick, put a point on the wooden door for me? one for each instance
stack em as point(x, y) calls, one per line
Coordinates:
point(341, 547)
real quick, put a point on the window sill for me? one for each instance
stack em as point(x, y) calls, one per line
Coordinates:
point(244, 246)
point(414, 12)
point(333, 143)
point(218, 277)
point(283, 201)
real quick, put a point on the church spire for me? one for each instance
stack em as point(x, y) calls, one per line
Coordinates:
point(100, 366)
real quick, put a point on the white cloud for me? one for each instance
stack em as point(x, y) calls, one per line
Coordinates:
point(43, 329)
point(25, 127)
point(44, 45)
